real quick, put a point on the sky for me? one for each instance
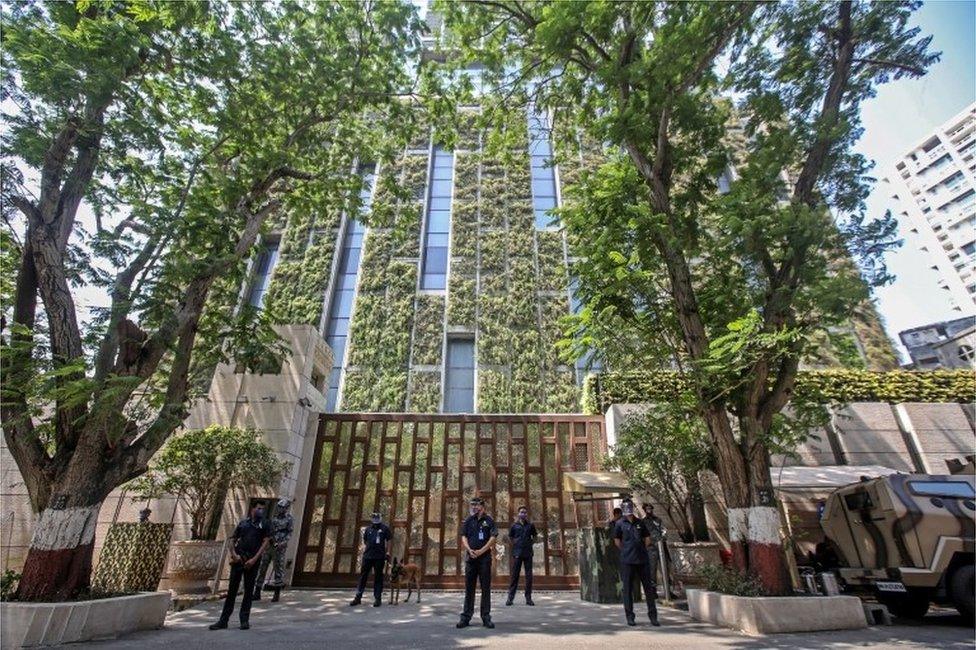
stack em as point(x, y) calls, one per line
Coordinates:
point(903, 113)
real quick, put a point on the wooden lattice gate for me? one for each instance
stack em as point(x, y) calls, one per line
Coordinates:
point(420, 471)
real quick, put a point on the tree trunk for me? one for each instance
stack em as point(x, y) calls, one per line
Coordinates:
point(696, 509)
point(761, 521)
point(59, 561)
point(211, 527)
point(732, 475)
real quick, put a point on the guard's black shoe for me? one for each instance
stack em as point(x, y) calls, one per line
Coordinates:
point(245, 625)
point(377, 603)
point(488, 624)
point(631, 622)
point(277, 595)
point(219, 625)
point(257, 595)
point(356, 601)
point(528, 601)
point(462, 623)
point(508, 603)
point(655, 622)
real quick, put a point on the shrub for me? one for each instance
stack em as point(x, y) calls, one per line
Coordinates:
point(8, 584)
point(725, 580)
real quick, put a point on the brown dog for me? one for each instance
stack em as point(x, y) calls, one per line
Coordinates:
point(402, 572)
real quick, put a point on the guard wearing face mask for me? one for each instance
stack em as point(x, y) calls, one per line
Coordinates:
point(377, 544)
point(523, 535)
point(249, 541)
point(633, 539)
point(478, 537)
point(282, 525)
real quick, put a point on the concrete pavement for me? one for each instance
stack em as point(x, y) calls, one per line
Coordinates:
point(323, 619)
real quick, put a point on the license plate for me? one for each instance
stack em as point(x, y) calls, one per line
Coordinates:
point(891, 586)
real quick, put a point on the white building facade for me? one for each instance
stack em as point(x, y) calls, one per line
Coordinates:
point(934, 185)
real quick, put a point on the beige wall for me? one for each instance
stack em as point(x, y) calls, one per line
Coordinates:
point(282, 406)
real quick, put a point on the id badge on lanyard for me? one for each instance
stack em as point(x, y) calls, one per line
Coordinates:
point(481, 535)
point(377, 537)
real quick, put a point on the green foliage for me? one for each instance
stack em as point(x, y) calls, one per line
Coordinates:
point(812, 386)
point(726, 580)
point(8, 585)
point(428, 336)
point(425, 392)
point(201, 466)
point(661, 449)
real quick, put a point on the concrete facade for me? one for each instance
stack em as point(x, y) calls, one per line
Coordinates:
point(948, 344)
point(934, 186)
point(282, 406)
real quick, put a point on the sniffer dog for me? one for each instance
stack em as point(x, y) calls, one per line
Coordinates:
point(402, 572)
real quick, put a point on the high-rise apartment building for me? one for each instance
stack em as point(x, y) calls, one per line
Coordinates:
point(934, 184)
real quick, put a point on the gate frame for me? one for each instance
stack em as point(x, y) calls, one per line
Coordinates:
point(363, 433)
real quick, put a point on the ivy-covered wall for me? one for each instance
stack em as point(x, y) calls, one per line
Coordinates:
point(602, 390)
point(378, 360)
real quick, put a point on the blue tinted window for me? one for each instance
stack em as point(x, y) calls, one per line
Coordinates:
point(459, 383)
point(437, 222)
point(343, 290)
point(540, 165)
point(263, 267)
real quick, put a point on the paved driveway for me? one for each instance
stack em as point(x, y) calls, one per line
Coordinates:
point(322, 619)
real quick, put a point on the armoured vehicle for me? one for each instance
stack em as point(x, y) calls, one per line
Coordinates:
point(908, 538)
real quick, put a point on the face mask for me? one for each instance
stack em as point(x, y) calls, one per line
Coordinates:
point(523, 516)
point(259, 514)
point(473, 510)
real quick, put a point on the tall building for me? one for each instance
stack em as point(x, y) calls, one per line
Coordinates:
point(934, 184)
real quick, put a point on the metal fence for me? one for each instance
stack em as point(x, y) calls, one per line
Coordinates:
point(419, 471)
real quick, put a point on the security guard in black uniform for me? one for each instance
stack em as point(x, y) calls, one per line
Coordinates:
point(250, 540)
point(523, 535)
point(478, 537)
point(634, 540)
point(377, 544)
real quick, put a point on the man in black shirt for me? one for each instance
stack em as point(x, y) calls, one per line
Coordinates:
point(523, 535)
point(250, 539)
point(377, 544)
point(633, 539)
point(478, 536)
point(614, 518)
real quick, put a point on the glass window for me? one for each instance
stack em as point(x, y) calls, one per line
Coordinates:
point(542, 186)
point(957, 489)
point(459, 383)
point(438, 220)
point(263, 268)
point(343, 290)
point(441, 187)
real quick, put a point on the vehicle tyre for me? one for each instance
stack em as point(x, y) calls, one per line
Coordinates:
point(962, 590)
point(914, 604)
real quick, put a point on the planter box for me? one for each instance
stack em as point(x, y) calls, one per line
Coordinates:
point(775, 615)
point(45, 624)
point(192, 563)
point(687, 559)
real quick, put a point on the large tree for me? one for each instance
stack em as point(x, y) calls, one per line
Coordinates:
point(680, 92)
point(184, 128)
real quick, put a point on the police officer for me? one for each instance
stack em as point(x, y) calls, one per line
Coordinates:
point(478, 537)
point(655, 526)
point(633, 539)
point(523, 535)
point(612, 521)
point(250, 539)
point(377, 544)
point(282, 525)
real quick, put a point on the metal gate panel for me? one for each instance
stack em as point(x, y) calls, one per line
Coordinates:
point(420, 470)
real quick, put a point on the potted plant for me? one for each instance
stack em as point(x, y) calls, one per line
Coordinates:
point(663, 449)
point(201, 467)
